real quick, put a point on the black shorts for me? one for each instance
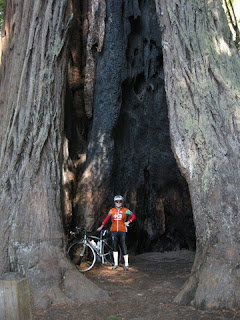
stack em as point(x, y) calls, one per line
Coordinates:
point(119, 237)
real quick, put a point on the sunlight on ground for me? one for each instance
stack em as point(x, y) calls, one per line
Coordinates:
point(118, 274)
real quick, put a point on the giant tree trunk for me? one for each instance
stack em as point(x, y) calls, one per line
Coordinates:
point(33, 77)
point(202, 75)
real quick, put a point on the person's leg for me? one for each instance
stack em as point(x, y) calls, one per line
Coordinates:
point(115, 249)
point(124, 249)
point(115, 259)
point(126, 261)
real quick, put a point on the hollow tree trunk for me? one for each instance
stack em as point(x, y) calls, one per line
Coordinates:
point(202, 71)
point(128, 143)
point(33, 76)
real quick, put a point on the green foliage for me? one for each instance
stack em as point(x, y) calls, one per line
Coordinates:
point(2, 4)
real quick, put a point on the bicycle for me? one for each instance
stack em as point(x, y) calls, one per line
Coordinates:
point(85, 251)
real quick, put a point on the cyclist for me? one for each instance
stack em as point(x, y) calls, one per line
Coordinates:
point(119, 215)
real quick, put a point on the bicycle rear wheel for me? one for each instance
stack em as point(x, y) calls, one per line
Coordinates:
point(82, 255)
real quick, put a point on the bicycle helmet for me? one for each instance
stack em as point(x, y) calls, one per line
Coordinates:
point(118, 198)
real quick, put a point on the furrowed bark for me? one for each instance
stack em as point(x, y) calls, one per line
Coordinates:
point(33, 81)
point(202, 71)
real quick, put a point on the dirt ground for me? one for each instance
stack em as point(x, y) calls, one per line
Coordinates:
point(145, 291)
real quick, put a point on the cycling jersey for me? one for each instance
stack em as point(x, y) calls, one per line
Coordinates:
point(118, 217)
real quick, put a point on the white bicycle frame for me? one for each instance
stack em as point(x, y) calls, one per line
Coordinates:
point(97, 245)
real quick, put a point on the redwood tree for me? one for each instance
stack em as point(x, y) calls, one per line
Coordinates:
point(33, 81)
point(202, 86)
point(202, 76)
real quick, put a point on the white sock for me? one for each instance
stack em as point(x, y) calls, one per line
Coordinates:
point(115, 257)
point(126, 260)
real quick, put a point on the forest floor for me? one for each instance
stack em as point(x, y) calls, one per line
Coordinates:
point(144, 292)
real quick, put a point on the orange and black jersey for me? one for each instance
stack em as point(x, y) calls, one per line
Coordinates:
point(118, 217)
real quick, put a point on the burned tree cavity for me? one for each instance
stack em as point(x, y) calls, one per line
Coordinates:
point(124, 143)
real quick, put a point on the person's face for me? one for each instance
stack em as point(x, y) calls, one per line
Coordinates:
point(118, 203)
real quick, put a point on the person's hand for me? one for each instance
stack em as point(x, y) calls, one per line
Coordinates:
point(100, 228)
point(127, 224)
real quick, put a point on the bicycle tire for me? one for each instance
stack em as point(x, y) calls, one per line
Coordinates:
point(82, 255)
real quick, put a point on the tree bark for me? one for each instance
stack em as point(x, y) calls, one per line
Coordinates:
point(202, 76)
point(33, 81)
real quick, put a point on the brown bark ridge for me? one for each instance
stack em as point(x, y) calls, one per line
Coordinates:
point(202, 76)
point(33, 74)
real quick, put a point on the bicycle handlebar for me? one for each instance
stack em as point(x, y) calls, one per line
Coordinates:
point(80, 230)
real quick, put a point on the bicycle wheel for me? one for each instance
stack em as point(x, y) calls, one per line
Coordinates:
point(82, 255)
point(108, 253)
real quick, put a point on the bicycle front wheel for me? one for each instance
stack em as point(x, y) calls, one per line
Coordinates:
point(82, 255)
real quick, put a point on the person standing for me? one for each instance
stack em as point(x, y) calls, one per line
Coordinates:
point(120, 222)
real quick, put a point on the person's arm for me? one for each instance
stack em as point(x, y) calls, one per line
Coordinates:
point(104, 222)
point(132, 217)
